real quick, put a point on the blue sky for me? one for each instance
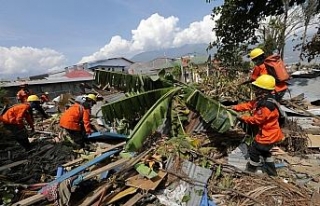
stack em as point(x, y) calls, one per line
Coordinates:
point(37, 36)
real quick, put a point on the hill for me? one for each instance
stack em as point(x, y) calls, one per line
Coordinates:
point(188, 49)
point(200, 50)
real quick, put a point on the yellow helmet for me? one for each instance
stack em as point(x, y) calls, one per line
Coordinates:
point(255, 53)
point(265, 81)
point(33, 98)
point(92, 97)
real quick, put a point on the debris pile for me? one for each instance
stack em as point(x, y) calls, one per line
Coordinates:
point(192, 164)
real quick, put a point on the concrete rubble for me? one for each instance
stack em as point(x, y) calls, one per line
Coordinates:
point(209, 172)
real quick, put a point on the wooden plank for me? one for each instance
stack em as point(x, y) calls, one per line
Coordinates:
point(314, 141)
point(4, 167)
point(96, 153)
point(38, 197)
point(30, 200)
point(110, 166)
point(132, 201)
point(95, 194)
point(126, 192)
point(145, 183)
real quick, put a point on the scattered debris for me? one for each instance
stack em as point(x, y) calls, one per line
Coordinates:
point(200, 167)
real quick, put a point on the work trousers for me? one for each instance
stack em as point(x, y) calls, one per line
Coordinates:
point(19, 134)
point(75, 137)
point(256, 150)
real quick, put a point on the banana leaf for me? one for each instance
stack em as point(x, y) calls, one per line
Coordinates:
point(211, 111)
point(129, 82)
point(154, 118)
point(130, 106)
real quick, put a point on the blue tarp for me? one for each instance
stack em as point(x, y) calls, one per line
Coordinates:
point(106, 135)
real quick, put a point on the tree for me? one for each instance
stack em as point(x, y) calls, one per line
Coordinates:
point(309, 11)
point(271, 30)
point(239, 20)
point(312, 48)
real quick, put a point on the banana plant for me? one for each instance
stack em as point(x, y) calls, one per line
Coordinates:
point(156, 105)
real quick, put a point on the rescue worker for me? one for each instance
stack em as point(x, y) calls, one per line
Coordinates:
point(13, 118)
point(258, 57)
point(35, 105)
point(76, 119)
point(44, 97)
point(265, 116)
point(23, 93)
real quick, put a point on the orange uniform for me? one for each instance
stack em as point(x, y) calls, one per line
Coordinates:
point(265, 115)
point(23, 95)
point(16, 114)
point(261, 69)
point(73, 117)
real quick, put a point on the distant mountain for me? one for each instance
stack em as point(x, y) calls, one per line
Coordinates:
point(200, 50)
point(188, 49)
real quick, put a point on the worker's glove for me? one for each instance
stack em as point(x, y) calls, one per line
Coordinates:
point(239, 117)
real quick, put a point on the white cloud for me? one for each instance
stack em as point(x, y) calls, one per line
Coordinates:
point(197, 32)
point(26, 61)
point(154, 33)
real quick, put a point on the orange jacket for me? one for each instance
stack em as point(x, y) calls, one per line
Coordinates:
point(16, 114)
point(266, 117)
point(73, 117)
point(261, 69)
point(22, 96)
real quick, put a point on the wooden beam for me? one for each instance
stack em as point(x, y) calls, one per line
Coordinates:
point(38, 197)
point(4, 167)
point(30, 200)
point(96, 153)
point(132, 201)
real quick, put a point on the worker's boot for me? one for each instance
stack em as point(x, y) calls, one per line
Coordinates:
point(24, 143)
point(270, 168)
point(251, 168)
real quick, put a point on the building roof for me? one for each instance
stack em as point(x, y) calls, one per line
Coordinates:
point(151, 66)
point(112, 62)
point(76, 73)
point(46, 81)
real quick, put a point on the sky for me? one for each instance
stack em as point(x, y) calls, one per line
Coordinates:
point(38, 36)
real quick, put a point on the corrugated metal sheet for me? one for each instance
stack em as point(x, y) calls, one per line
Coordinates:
point(96, 109)
point(122, 62)
point(306, 124)
point(202, 175)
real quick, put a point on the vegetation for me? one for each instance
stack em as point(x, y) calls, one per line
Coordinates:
point(160, 102)
point(239, 22)
point(3, 99)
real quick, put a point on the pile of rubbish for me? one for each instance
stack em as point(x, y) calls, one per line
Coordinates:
point(201, 167)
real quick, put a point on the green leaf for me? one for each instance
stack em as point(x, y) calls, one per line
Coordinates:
point(186, 198)
point(129, 107)
point(150, 121)
point(210, 110)
point(145, 171)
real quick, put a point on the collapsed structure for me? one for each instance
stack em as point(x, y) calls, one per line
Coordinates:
point(157, 141)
